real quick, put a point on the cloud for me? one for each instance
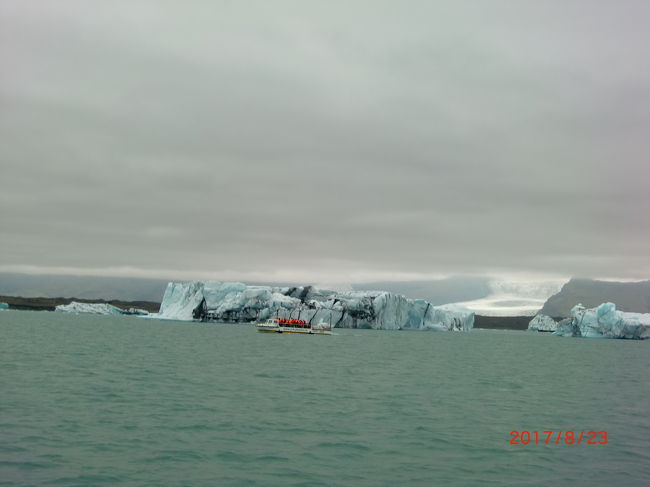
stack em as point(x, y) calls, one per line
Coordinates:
point(371, 139)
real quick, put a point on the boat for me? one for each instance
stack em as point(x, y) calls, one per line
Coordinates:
point(291, 326)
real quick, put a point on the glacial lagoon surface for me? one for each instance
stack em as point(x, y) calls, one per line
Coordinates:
point(102, 400)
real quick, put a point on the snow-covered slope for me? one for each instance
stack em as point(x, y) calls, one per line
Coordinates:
point(542, 323)
point(605, 321)
point(236, 302)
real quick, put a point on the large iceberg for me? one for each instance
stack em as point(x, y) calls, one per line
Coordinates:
point(97, 309)
point(605, 321)
point(4, 306)
point(238, 303)
point(542, 323)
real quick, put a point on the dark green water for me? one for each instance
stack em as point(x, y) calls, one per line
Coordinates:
point(94, 400)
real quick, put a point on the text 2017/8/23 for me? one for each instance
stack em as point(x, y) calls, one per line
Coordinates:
point(567, 437)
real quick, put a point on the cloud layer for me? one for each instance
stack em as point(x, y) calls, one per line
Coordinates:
point(340, 141)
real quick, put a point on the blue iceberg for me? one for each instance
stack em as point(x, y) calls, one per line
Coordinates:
point(605, 321)
point(234, 302)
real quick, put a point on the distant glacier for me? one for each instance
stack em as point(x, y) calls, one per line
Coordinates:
point(514, 297)
point(235, 302)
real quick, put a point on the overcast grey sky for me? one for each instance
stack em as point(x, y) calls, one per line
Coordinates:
point(325, 140)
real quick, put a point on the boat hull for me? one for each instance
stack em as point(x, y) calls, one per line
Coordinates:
point(293, 332)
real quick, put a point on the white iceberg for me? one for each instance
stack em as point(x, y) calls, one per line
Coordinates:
point(4, 306)
point(98, 309)
point(542, 323)
point(239, 303)
point(180, 300)
point(451, 317)
point(92, 308)
point(605, 321)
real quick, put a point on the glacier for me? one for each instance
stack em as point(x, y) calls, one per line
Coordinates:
point(514, 297)
point(605, 321)
point(542, 323)
point(235, 302)
point(97, 309)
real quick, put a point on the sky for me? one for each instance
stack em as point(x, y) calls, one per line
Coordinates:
point(325, 141)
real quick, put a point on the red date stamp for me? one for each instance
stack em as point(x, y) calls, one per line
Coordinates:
point(565, 437)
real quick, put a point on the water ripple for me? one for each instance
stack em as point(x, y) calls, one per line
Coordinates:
point(117, 401)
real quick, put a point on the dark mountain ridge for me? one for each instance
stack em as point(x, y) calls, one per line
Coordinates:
point(628, 296)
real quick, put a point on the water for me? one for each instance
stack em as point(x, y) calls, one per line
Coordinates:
point(94, 400)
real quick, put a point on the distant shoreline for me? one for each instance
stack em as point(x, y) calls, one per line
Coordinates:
point(503, 322)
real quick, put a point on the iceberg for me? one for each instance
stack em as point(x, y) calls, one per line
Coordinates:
point(98, 309)
point(605, 321)
point(4, 306)
point(234, 302)
point(451, 317)
point(180, 300)
point(93, 308)
point(542, 323)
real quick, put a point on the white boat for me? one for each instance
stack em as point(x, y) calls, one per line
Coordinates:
point(296, 327)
